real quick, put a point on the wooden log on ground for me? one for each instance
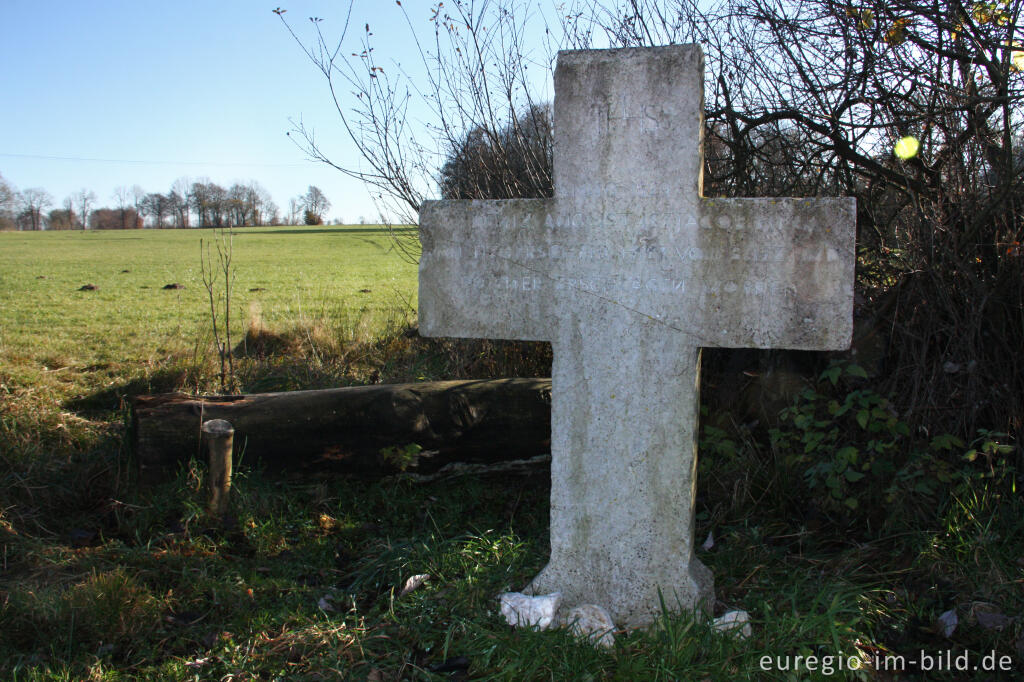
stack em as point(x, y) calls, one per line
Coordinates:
point(362, 430)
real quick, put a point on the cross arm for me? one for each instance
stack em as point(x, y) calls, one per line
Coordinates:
point(776, 273)
point(484, 269)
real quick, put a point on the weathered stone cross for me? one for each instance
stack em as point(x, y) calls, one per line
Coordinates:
point(628, 271)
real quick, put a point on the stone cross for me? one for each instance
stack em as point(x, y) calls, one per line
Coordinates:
point(628, 271)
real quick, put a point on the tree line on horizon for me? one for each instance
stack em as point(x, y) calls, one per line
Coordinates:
point(198, 203)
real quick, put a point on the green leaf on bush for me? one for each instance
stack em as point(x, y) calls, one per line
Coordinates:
point(853, 476)
point(832, 374)
point(851, 502)
point(856, 371)
point(946, 441)
point(847, 455)
point(862, 418)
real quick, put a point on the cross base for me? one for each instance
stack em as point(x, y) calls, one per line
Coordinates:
point(629, 596)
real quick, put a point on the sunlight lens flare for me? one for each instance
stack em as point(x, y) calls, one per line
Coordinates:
point(907, 147)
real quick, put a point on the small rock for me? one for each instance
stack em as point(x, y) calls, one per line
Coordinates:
point(709, 542)
point(325, 604)
point(521, 610)
point(951, 367)
point(989, 616)
point(993, 621)
point(414, 583)
point(734, 622)
point(593, 622)
point(948, 622)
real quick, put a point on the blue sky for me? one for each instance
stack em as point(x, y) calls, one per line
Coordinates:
point(147, 92)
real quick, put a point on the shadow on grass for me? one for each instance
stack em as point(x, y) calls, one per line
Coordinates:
point(116, 397)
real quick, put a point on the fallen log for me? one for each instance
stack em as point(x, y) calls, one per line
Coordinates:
point(362, 430)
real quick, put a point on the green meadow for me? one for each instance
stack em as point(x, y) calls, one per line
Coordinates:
point(280, 275)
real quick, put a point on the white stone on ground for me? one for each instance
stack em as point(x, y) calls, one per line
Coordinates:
point(593, 622)
point(734, 622)
point(414, 583)
point(521, 610)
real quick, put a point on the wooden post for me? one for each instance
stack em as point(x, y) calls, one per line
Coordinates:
point(220, 439)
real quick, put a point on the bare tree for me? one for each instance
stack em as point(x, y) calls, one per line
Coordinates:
point(514, 162)
point(157, 206)
point(294, 210)
point(314, 204)
point(262, 208)
point(180, 194)
point(238, 204)
point(122, 197)
point(211, 273)
point(245, 203)
point(209, 201)
point(9, 200)
point(218, 198)
point(475, 76)
point(83, 201)
point(177, 208)
point(138, 196)
point(34, 201)
point(269, 212)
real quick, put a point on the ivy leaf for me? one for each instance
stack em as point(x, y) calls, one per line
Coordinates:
point(847, 454)
point(862, 418)
point(946, 441)
point(856, 371)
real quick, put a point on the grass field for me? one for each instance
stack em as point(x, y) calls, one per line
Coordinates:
point(283, 276)
point(103, 580)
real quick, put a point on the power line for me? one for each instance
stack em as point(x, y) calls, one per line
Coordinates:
point(83, 159)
